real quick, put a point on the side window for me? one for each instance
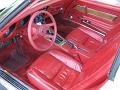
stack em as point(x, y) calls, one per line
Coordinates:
point(111, 2)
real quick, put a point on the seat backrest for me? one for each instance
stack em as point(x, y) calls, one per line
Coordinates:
point(90, 32)
point(67, 60)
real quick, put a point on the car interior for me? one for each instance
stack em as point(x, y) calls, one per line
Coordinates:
point(65, 45)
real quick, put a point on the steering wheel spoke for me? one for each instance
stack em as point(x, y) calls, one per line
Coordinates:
point(46, 27)
point(50, 24)
point(49, 37)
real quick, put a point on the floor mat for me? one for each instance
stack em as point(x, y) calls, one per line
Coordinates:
point(16, 61)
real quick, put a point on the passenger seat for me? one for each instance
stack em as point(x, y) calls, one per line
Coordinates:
point(85, 38)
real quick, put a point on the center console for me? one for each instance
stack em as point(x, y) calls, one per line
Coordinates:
point(67, 45)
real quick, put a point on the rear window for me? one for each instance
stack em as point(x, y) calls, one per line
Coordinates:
point(110, 2)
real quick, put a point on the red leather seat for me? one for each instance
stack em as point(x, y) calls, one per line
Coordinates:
point(85, 38)
point(54, 70)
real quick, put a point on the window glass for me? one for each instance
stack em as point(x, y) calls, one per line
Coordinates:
point(5, 3)
point(111, 2)
point(8, 7)
point(9, 11)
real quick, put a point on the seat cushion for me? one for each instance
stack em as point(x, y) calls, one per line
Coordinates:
point(84, 38)
point(54, 70)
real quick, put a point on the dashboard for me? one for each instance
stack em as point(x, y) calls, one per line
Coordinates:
point(10, 30)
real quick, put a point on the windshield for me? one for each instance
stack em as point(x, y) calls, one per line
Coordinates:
point(111, 2)
point(10, 8)
point(4, 3)
point(5, 6)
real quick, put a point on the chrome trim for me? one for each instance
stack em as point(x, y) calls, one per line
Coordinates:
point(106, 16)
point(94, 12)
point(14, 82)
point(86, 27)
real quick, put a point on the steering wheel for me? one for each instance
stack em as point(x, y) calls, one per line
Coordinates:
point(42, 36)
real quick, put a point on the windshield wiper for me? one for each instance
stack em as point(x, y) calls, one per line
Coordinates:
point(2, 9)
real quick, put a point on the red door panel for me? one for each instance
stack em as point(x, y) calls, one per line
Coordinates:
point(104, 18)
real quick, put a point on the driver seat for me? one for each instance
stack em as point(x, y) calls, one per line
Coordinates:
point(54, 70)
